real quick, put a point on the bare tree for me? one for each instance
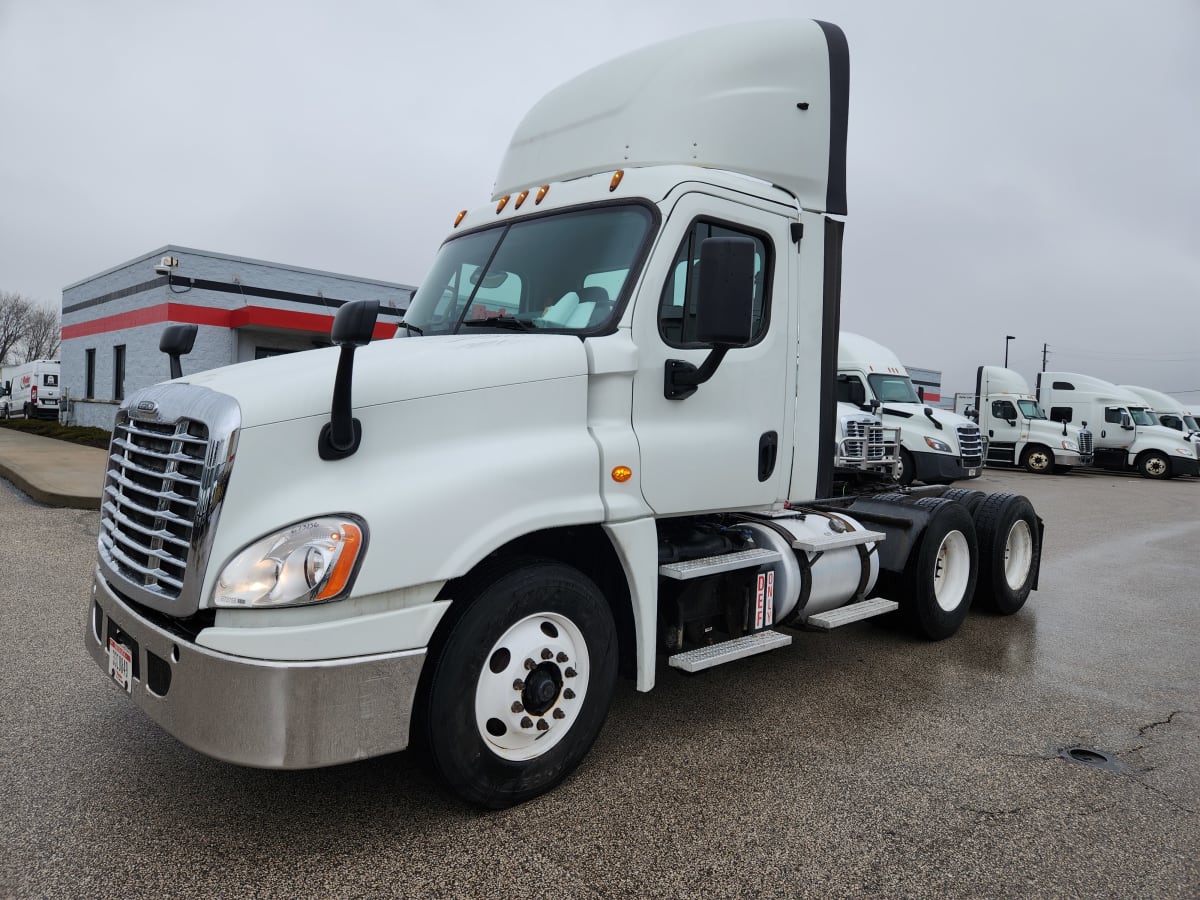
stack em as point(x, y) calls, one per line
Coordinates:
point(43, 334)
point(15, 311)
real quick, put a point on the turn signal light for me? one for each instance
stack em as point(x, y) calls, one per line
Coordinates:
point(621, 474)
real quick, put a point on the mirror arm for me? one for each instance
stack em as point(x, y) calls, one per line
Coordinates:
point(681, 378)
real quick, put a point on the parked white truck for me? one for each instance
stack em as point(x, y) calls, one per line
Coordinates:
point(1170, 412)
point(465, 545)
point(31, 390)
point(1127, 435)
point(937, 446)
point(1017, 430)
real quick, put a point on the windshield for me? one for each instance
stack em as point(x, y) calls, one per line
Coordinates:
point(1189, 423)
point(1030, 409)
point(1142, 416)
point(893, 388)
point(562, 273)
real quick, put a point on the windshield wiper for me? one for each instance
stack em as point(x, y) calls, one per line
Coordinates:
point(412, 329)
point(511, 323)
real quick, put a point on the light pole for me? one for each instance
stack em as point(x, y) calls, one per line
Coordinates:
point(1007, 338)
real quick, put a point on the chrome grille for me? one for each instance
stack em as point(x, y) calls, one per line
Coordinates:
point(168, 463)
point(970, 445)
point(867, 445)
point(1085, 443)
point(151, 493)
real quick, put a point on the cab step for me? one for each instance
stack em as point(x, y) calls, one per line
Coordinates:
point(854, 612)
point(712, 565)
point(727, 651)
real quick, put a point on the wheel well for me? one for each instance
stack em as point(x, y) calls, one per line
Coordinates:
point(583, 547)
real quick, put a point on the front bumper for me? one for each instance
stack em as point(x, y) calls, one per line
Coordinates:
point(272, 715)
point(1181, 466)
point(933, 468)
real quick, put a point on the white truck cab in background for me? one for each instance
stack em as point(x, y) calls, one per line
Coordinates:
point(1170, 412)
point(31, 390)
point(1017, 429)
point(611, 446)
point(1127, 435)
point(937, 446)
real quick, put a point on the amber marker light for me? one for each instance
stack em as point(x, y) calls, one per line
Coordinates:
point(541, 194)
point(457, 219)
point(616, 179)
point(520, 199)
point(351, 546)
point(621, 474)
point(503, 203)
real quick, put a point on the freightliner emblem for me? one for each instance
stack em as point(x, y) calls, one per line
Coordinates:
point(145, 409)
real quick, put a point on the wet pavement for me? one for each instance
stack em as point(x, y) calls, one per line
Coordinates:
point(862, 762)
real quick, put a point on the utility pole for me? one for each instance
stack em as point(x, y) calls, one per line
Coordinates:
point(1044, 351)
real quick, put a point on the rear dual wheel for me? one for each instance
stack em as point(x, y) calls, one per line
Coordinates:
point(520, 682)
point(939, 580)
point(1010, 551)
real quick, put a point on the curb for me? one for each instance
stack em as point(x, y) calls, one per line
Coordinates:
point(50, 498)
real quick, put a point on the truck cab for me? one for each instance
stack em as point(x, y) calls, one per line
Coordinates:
point(1169, 411)
point(1018, 431)
point(937, 446)
point(1128, 437)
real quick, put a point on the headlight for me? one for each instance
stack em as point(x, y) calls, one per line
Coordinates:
point(1070, 445)
point(309, 562)
point(938, 445)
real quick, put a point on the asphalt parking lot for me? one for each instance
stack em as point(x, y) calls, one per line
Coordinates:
point(860, 762)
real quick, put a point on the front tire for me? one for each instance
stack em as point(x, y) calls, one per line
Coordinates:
point(1010, 552)
point(520, 682)
point(1038, 459)
point(939, 580)
point(1155, 465)
point(906, 469)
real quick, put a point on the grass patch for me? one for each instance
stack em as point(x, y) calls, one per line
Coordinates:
point(76, 434)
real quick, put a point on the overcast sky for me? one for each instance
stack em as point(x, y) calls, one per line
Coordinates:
point(1024, 168)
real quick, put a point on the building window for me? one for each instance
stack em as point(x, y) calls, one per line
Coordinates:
point(119, 372)
point(90, 389)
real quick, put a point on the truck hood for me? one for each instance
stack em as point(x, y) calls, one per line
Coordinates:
point(948, 419)
point(299, 385)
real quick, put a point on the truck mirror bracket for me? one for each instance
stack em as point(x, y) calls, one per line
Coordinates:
point(353, 327)
point(681, 378)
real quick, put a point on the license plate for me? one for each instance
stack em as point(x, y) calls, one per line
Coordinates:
point(970, 473)
point(120, 665)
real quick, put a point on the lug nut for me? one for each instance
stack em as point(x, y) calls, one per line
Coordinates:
point(570, 673)
point(543, 725)
point(569, 694)
point(517, 707)
point(529, 664)
point(546, 654)
point(526, 722)
point(559, 714)
point(562, 657)
point(518, 685)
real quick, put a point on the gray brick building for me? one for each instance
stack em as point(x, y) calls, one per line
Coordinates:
point(244, 308)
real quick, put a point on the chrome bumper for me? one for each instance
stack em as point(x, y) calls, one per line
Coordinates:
point(273, 715)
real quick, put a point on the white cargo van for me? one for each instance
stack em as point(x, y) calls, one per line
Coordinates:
point(31, 390)
point(1127, 435)
point(1017, 430)
point(1169, 411)
point(936, 446)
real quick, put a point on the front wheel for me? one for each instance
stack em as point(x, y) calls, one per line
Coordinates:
point(1038, 459)
point(520, 684)
point(906, 469)
point(1153, 464)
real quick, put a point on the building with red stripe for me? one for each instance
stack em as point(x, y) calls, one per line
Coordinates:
point(245, 309)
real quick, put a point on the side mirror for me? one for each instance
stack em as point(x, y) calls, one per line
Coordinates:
point(177, 341)
point(353, 327)
point(1126, 422)
point(724, 311)
point(857, 393)
point(921, 393)
point(1012, 422)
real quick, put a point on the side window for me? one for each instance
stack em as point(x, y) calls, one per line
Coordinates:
point(1172, 422)
point(1060, 413)
point(677, 306)
point(1003, 409)
point(1063, 386)
point(1112, 415)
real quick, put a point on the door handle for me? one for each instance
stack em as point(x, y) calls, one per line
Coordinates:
point(768, 452)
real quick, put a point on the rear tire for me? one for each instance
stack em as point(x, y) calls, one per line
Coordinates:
point(1038, 459)
point(939, 579)
point(968, 497)
point(1010, 552)
point(498, 730)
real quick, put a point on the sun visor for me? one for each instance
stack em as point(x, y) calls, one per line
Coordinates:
point(767, 99)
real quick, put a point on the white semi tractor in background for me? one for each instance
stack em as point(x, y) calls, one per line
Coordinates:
point(937, 446)
point(1127, 435)
point(1016, 428)
point(460, 541)
point(1170, 412)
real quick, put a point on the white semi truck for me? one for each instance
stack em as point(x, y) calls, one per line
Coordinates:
point(937, 446)
point(459, 542)
point(1017, 430)
point(1170, 412)
point(1127, 435)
